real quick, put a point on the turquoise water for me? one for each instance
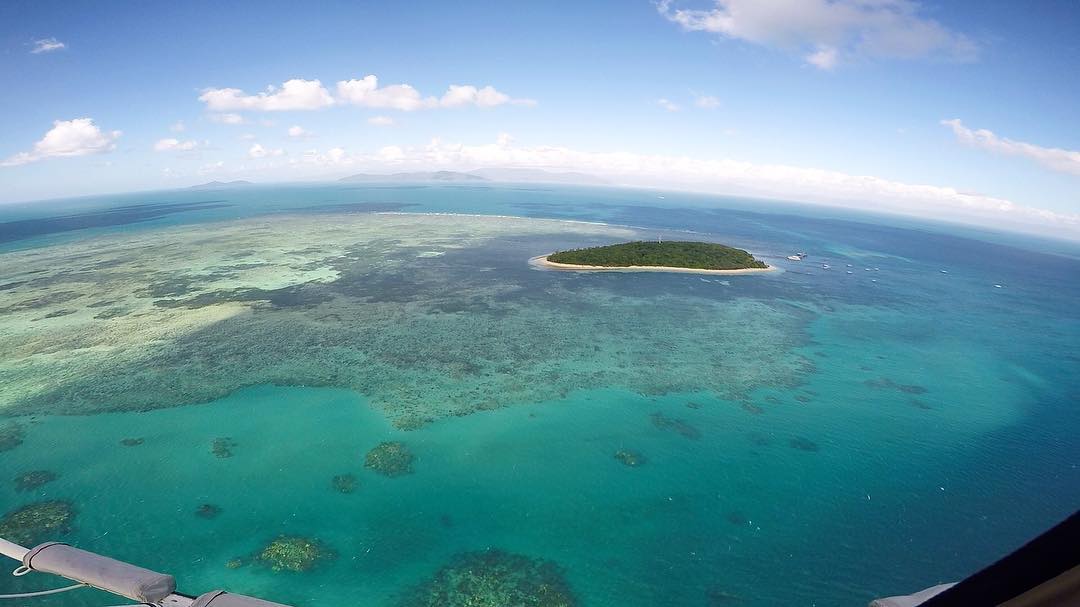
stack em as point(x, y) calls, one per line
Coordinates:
point(896, 427)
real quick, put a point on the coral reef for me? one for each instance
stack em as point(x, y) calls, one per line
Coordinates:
point(678, 426)
point(35, 523)
point(423, 338)
point(344, 483)
point(803, 444)
point(390, 459)
point(630, 458)
point(294, 553)
point(885, 383)
point(208, 511)
point(222, 447)
point(494, 578)
point(11, 435)
point(28, 481)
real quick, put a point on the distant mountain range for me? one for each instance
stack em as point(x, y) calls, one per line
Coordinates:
point(430, 176)
point(512, 175)
point(219, 184)
point(538, 176)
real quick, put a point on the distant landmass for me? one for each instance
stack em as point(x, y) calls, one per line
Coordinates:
point(510, 175)
point(421, 176)
point(538, 176)
point(219, 184)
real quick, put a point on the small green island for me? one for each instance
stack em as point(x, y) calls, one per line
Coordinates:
point(672, 256)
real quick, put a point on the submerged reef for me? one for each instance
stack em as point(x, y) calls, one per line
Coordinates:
point(887, 384)
point(208, 511)
point(222, 447)
point(803, 444)
point(494, 578)
point(344, 483)
point(294, 553)
point(423, 338)
point(630, 457)
point(11, 435)
point(678, 426)
point(390, 459)
point(36, 523)
point(28, 481)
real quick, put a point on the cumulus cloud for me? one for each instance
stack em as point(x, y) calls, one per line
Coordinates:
point(827, 32)
point(47, 45)
point(174, 145)
point(381, 121)
point(299, 94)
point(366, 92)
point(1057, 159)
point(295, 94)
point(227, 118)
point(299, 132)
point(258, 151)
point(668, 105)
point(706, 102)
point(721, 176)
point(78, 137)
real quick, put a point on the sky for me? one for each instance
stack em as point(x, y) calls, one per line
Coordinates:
point(962, 111)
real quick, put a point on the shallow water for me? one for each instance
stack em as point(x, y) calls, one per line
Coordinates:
point(809, 437)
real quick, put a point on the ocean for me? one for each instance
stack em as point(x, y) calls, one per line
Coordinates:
point(195, 374)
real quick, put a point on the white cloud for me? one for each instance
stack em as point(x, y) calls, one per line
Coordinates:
point(706, 102)
point(299, 94)
point(823, 58)
point(77, 137)
point(211, 168)
point(227, 118)
point(178, 127)
point(1057, 159)
point(258, 151)
point(668, 105)
point(381, 121)
point(366, 92)
point(174, 145)
point(720, 176)
point(829, 31)
point(295, 94)
point(298, 132)
point(47, 45)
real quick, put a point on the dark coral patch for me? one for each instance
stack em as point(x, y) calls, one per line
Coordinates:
point(390, 459)
point(678, 426)
point(629, 457)
point(886, 383)
point(28, 481)
point(344, 483)
point(11, 436)
point(223, 447)
point(494, 578)
point(35, 523)
point(294, 553)
point(803, 444)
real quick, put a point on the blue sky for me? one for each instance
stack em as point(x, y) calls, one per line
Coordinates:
point(832, 101)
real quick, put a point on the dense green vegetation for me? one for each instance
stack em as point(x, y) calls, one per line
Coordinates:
point(697, 255)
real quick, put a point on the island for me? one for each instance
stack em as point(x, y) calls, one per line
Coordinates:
point(659, 256)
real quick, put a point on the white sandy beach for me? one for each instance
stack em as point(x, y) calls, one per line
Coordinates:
point(542, 261)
